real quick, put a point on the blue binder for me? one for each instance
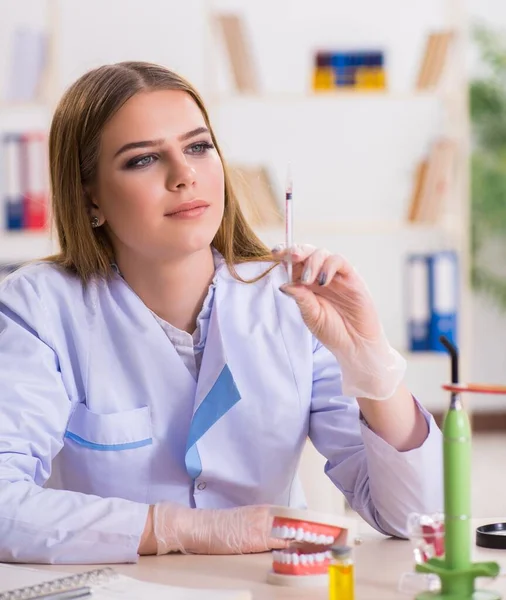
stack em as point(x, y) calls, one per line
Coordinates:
point(443, 290)
point(418, 302)
point(13, 192)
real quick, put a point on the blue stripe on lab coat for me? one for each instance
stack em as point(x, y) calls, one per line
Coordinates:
point(193, 463)
point(93, 446)
point(220, 399)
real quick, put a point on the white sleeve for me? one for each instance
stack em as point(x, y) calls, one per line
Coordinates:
point(380, 483)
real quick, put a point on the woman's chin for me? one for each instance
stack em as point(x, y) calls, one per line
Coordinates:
point(190, 245)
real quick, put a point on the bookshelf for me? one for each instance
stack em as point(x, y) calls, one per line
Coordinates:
point(27, 114)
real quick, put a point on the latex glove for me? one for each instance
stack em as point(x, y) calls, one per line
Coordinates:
point(241, 530)
point(338, 309)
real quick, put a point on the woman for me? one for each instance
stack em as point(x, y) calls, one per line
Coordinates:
point(161, 363)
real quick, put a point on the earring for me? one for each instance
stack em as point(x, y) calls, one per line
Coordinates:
point(95, 222)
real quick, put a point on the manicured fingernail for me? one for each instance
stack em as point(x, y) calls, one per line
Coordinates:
point(306, 275)
point(323, 278)
point(277, 248)
point(283, 291)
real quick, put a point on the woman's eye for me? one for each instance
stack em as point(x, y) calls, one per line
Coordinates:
point(143, 161)
point(200, 148)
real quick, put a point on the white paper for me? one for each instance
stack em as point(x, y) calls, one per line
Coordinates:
point(126, 588)
point(14, 577)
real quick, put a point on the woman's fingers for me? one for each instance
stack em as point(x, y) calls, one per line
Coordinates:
point(312, 266)
point(333, 265)
point(297, 253)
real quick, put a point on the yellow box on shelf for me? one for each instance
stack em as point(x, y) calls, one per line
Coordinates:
point(323, 78)
point(370, 78)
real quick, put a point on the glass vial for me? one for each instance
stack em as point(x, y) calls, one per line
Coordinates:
point(341, 574)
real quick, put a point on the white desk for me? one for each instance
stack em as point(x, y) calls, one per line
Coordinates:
point(379, 564)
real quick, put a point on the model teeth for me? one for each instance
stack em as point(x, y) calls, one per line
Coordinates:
point(292, 558)
point(299, 535)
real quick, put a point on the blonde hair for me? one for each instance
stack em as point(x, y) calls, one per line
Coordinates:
point(74, 145)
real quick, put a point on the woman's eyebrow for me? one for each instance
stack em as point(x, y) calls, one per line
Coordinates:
point(150, 143)
point(142, 144)
point(193, 133)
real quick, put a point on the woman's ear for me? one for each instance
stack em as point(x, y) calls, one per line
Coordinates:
point(97, 219)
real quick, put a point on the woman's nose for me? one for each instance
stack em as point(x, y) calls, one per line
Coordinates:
point(181, 175)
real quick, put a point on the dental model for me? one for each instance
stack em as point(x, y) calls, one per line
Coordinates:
point(311, 534)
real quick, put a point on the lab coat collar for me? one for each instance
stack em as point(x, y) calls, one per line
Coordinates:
point(216, 392)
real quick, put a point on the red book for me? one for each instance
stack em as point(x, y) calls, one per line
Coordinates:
point(34, 181)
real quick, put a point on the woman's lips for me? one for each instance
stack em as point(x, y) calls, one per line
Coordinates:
point(189, 210)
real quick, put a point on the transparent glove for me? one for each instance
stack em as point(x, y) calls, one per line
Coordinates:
point(372, 369)
point(338, 309)
point(241, 530)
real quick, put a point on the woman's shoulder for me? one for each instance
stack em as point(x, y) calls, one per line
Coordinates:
point(42, 286)
point(40, 275)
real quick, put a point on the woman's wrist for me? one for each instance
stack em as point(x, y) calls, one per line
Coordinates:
point(148, 544)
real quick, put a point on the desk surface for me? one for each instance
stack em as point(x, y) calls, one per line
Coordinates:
point(379, 564)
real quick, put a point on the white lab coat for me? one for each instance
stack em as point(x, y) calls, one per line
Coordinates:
point(95, 399)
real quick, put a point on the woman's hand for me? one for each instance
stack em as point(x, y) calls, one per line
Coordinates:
point(338, 309)
point(240, 530)
point(333, 299)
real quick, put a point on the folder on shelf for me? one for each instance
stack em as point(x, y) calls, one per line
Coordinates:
point(239, 52)
point(28, 61)
point(434, 59)
point(256, 196)
point(416, 195)
point(418, 302)
point(443, 292)
point(34, 180)
point(433, 182)
point(12, 188)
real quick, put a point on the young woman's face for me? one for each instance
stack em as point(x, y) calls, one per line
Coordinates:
point(160, 183)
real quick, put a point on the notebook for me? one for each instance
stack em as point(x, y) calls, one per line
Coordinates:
point(106, 584)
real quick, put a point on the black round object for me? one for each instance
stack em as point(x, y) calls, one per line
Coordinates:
point(491, 536)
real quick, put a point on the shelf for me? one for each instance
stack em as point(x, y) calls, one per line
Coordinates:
point(24, 116)
point(15, 106)
point(365, 227)
point(323, 95)
point(26, 245)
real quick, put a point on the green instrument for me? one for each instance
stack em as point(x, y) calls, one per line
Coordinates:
point(455, 570)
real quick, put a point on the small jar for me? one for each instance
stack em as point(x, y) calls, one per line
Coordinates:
point(341, 574)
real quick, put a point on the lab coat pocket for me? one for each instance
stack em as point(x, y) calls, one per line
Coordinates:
point(109, 454)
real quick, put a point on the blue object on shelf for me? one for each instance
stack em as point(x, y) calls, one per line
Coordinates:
point(12, 187)
point(443, 294)
point(418, 302)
